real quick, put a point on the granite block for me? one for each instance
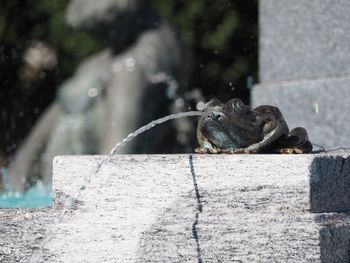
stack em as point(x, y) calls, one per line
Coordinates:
point(320, 105)
point(330, 184)
point(188, 208)
point(303, 39)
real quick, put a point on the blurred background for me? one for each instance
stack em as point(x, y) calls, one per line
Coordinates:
point(77, 76)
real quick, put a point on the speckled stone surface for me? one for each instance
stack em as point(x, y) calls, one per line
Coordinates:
point(183, 208)
point(303, 39)
point(321, 106)
point(304, 69)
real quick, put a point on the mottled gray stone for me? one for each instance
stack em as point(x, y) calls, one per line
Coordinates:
point(183, 208)
point(321, 106)
point(330, 184)
point(335, 240)
point(304, 39)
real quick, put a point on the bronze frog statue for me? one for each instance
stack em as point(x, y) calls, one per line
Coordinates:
point(234, 127)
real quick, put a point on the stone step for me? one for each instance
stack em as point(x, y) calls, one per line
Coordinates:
point(198, 208)
point(319, 105)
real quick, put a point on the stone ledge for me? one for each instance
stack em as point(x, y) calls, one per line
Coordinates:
point(199, 208)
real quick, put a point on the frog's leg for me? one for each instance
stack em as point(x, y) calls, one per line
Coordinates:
point(244, 151)
point(297, 142)
point(268, 139)
point(201, 150)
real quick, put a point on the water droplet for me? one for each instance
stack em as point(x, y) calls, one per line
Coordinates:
point(93, 92)
point(230, 84)
point(200, 105)
point(316, 107)
point(130, 64)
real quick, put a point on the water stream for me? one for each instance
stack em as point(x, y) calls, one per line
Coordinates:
point(131, 136)
point(69, 202)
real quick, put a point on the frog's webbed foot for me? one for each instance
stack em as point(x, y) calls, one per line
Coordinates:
point(248, 150)
point(200, 150)
point(304, 148)
point(207, 147)
point(294, 150)
point(203, 150)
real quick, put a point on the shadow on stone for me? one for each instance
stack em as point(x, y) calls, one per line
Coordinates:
point(330, 184)
point(335, 243)
point(170, 239)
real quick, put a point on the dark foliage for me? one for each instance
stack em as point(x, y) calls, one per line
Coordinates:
point(222, 37)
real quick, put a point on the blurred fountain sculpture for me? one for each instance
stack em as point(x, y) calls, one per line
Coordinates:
point(136, 79)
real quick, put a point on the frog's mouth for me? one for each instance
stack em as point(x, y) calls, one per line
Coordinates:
point(217, 133)
point(229, 132)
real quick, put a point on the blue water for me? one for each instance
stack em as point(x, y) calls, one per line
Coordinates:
point(35, 197)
